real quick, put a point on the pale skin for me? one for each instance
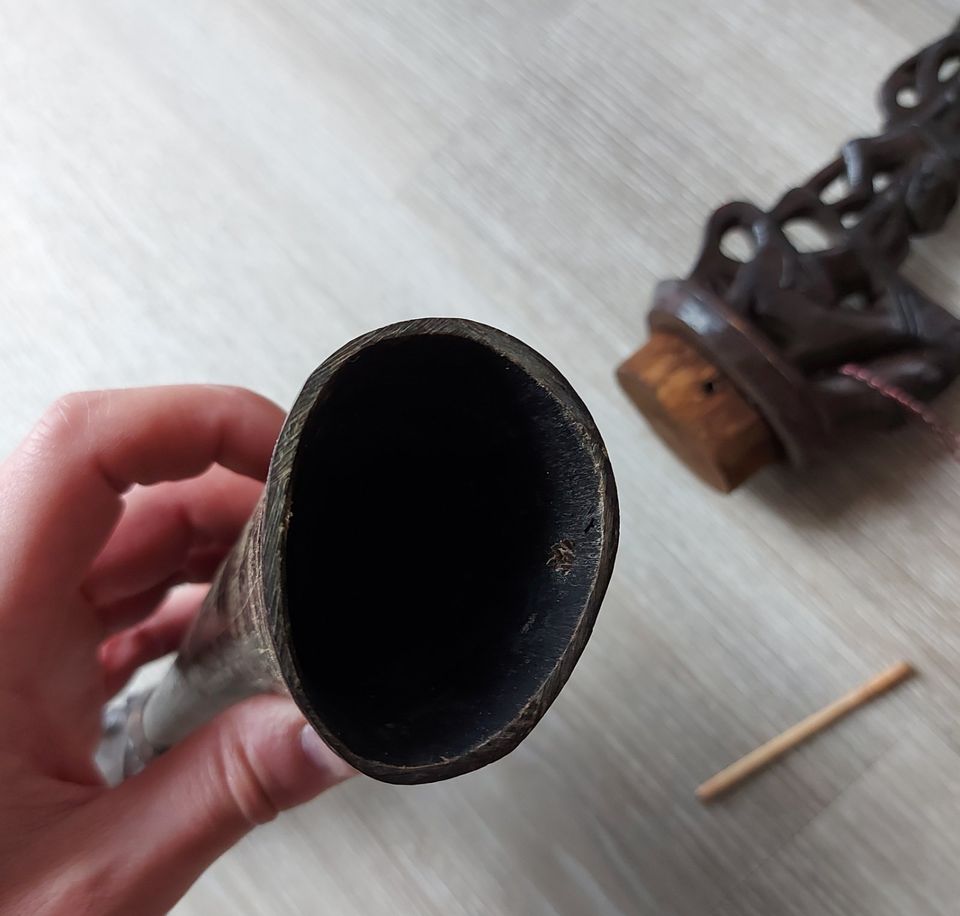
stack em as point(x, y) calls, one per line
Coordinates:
point(113, 501)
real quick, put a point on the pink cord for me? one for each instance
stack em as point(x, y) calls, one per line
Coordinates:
point(948, 436)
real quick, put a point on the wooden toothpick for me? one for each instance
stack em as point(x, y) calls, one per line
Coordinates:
point(734, 774)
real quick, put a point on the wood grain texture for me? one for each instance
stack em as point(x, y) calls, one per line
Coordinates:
point(229, 190)
point(698, 412)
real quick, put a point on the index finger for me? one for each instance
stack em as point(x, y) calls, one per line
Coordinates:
point(61, 490)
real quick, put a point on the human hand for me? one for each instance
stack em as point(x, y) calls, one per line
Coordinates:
point(114, 499)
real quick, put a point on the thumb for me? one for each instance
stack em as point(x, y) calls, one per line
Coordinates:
point(171, 821)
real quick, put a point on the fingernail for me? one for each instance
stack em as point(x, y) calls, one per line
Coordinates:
point(320, 755)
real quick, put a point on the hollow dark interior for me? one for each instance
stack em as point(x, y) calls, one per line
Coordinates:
point(432, 485)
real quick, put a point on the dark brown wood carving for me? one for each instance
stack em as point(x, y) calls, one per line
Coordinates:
point(743, 366)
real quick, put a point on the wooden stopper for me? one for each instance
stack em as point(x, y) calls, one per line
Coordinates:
point(756, 760)
point(698, 412)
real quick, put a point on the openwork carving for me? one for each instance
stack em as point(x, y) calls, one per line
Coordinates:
point(820, 285)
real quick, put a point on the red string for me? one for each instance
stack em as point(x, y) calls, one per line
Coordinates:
point(948, 436)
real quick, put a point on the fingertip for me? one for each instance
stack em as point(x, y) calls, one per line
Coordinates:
point(292, 763)
point(323, 758)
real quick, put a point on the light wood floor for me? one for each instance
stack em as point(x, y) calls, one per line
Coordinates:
point(227, 190)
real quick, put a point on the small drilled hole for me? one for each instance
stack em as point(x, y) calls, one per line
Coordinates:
point(738, 245)
point(806, 235)
point(907, 97)
point(949, 68)
point(710, 386)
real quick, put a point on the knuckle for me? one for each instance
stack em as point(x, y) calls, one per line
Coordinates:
point(67, 416)
point(245, 784)
point(246, 397)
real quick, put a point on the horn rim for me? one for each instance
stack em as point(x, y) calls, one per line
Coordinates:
point(278, 498)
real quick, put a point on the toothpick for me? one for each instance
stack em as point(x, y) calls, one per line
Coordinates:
point(737, 772)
